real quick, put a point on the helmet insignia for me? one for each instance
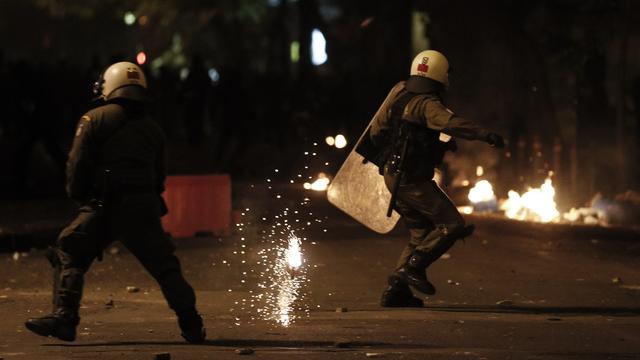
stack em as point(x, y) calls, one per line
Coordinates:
point(423, 67)
point(133, 74)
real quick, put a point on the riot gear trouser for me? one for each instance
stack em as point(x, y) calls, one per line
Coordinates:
point(136, 222)
point(434, 225)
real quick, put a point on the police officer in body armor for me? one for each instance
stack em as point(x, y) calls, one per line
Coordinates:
point(116, 174)
point(408, 127)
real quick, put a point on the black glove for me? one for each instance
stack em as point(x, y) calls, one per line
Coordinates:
point(495, 140)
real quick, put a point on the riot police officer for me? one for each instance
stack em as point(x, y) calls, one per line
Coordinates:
point(116, 173)
point(409, 127)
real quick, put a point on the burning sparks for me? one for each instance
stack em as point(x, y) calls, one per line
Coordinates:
point(341, 141)
point(282, 282)
point(293, 253)
point(320, 184)
point(537, 204)
point(330, 140)
point(273, 265)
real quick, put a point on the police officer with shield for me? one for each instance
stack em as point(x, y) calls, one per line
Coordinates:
point(409, 130)
point(115, 173)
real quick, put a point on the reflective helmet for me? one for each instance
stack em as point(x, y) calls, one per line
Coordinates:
point(431, 64)
point(122, 80)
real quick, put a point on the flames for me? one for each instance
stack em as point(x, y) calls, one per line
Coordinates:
point(481, 192)
point(537, 204)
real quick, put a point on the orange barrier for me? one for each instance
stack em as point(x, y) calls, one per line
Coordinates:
point(198, 203)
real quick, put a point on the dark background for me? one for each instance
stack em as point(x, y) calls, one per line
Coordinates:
point(559, 79)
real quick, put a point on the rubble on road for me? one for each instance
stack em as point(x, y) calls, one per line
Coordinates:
point(244, 351)
point(109, 304)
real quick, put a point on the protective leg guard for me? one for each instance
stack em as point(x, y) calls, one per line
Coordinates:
point(413, 273)
point(398, 294)
point(193, 330)
point(60, 324)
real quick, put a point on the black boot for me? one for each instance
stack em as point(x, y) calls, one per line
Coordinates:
point(191, 326)
point(398, 294)
point(61, 324)
point(413, 273)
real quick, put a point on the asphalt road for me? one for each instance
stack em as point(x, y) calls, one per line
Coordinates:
point(502, 294)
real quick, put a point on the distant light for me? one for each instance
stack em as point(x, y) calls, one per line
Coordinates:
point(274, 3)
point(318, 48)
point(214, 75)
point(184, 72)
point(141, 58)
point(479, 171)
point(341, 141)
point(330, 140)
point(143, 20)
point(465, 182)
point(129, 18)
point(295, 51)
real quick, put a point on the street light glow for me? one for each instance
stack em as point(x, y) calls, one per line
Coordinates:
point(141, 58)
point(129, 18)
point(318, 48)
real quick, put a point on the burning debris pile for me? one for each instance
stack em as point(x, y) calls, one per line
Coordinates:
point(539, 205)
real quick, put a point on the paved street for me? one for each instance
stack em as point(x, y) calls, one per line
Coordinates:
point(503, 294)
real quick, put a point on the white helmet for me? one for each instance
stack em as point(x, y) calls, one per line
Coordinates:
point(431, 64)
point(122, 80)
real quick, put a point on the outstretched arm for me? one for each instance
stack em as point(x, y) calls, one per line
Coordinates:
point(439, 118)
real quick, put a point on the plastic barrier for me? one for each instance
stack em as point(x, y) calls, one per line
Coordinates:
point(198, 204)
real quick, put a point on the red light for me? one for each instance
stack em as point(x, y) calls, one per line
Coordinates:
point(141, 58)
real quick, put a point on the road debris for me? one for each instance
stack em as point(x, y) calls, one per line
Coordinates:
point(109, 304)
point(616, 280)
point(133, 289)
point(244, 351)
point(554, 319)
point(342, 310)
point(342, 343)
point(505, 302)
point(162, 356)
point(374, 355)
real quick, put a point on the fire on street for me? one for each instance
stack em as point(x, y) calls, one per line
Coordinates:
point(515, 295)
